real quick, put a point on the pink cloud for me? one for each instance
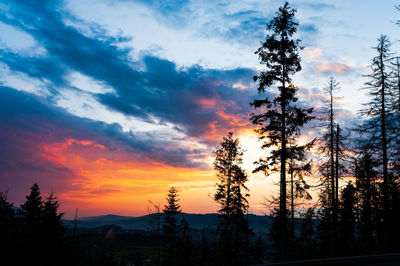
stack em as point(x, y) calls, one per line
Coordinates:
point(338, 68)
point(207, 103)
point(312, 53)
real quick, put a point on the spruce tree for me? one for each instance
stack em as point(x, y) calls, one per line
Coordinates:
point(53, 229)
point(32, 236)
point(52, 219)
point(231, 195)
point(171, 227)
point(31, 210)
point(280, 119)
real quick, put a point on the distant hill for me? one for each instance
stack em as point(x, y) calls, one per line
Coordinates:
point(196, 221)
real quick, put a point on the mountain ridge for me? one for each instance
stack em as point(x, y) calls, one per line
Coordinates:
point(148, 222)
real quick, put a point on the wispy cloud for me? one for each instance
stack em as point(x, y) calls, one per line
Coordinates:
point(312, 53)
point(329, 67)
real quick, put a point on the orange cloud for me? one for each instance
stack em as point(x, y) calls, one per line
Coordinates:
point(312, 53)
point(341, 100)
point(345, 113)
point(207, 102)
point(338, 68)
point(108, 180)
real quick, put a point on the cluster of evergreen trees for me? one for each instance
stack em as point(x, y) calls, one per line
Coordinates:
point(33, 233)
point(352, 217)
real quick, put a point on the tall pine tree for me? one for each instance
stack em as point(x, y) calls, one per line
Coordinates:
point(376, 127)
point(280, 120)
point(329, 193)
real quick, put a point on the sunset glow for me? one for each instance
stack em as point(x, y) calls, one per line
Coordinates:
point(110, 103)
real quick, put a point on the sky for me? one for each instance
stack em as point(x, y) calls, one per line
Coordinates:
point(110, 102)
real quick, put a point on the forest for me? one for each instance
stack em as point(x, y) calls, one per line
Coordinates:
point(355, 171)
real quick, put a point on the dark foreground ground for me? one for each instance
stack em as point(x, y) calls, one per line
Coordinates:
point(383, 259)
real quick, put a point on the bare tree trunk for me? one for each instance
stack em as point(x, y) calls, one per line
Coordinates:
point(282, 199)
point(333, 194)
point(337, 166)
point(292, 210)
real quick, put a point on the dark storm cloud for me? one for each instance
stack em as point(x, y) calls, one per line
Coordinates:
point(157, 91)
point(27, 122)
point(174, 95)
point(65, 45)
point(36, 67)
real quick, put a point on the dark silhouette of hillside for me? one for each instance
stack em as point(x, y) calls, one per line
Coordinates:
point(258, 223)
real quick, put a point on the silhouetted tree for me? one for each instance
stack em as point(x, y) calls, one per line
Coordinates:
point(8, 231)
point(280, 120)
point(367, 192)
point(395, 120)
point(394, 150)
point(170, 226)
point(306, 241)
point(298, 186)
point(31, 211)
point(377, 112)
point(32, 235)
point(329, 147)
point(324, 215)
point(338, 152)
point(41, 229)
point(185, 252)
point(53, 230)
point(347, 222)
point(231, 196)
point(6, 210)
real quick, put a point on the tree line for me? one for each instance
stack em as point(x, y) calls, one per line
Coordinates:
point(359, 216)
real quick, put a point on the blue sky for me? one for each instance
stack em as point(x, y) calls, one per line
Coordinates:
point(157, 82)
